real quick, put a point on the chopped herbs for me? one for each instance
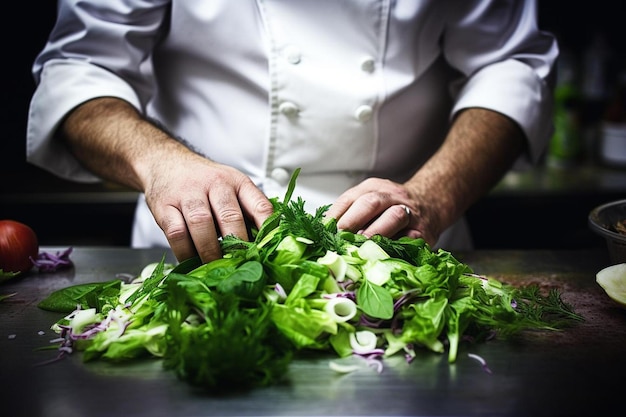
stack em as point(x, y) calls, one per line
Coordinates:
point(301, 284)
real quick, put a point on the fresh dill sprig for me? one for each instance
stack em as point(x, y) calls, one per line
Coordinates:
point(548, 310)
point(297, 221)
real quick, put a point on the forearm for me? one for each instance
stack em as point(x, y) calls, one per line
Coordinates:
point(112, 140)
point(193, 199)
point(481, 146)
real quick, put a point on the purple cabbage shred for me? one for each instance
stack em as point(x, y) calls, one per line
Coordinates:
point(50, 262)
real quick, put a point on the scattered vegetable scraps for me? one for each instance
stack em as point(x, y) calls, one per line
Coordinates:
point(51, 262)
point(299, 285)
point(5, 296)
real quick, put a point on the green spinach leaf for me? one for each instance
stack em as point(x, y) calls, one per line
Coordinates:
point(90, 295)
point(375, 301)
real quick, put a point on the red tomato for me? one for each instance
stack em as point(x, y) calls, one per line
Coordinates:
point(18, 243)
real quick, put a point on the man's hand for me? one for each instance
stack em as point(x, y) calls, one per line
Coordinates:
point(480, 147)
point(379, 206)
point(193, 199)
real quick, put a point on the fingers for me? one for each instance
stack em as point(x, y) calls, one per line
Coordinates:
point(390, 222)
point(377, 206)
point(346, 200)
point(193, 226)
point(228, 216)
point(190, 230)
point(255, 203)
point(360, 206)
point(395, 221)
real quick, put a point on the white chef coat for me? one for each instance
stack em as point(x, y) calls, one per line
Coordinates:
point(342, 89)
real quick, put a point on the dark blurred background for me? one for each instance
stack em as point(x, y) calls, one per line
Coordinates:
point(545, 207)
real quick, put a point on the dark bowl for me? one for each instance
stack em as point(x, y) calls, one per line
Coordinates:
point(603, 220)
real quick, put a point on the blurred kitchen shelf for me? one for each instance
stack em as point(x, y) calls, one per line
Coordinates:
point(575, 180)
point(65, 213)
point(33, 186)
point(545, 208)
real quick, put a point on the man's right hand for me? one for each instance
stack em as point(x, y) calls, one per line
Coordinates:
point(193, 199)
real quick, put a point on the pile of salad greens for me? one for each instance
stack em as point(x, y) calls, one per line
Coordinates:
point(299, 285)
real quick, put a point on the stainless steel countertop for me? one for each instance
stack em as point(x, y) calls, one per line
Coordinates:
point(577, 372)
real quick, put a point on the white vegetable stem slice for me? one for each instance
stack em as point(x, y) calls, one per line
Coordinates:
point(613, 280)
point(341, 309)
point(363, 342)
point(336, 264)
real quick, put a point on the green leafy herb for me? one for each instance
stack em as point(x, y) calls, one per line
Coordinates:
point(549, 311)
point(5, 296)
point(300, 284)
point(96, 294)
point(231, 345)
point(150, 283)
point(5, 276)
point(375, 300)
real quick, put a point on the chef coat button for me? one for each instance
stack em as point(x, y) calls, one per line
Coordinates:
point(363, 113)
point(292, 55)
point(288, 108)
point(280, 175)
point(368, 64)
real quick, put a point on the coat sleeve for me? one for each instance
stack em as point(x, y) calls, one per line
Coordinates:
point(97, 48)
point(507, 62)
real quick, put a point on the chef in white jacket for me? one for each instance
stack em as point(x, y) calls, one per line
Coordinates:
point(401, 113)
